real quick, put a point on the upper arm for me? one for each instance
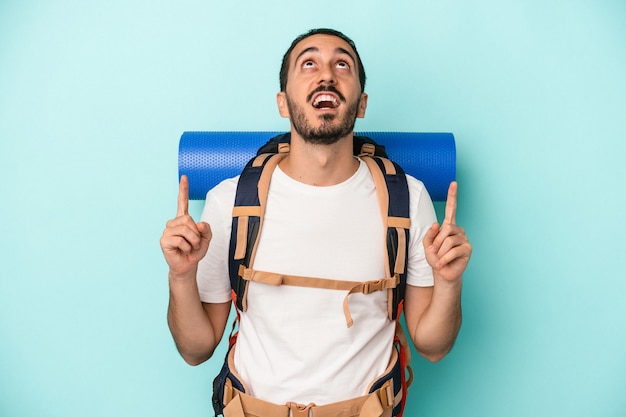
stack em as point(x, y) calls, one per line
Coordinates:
point(416, 301)
point(217, 314)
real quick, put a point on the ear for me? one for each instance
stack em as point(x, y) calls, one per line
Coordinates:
point(281, 101)
point(362, 106)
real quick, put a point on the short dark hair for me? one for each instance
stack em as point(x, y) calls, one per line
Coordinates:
point(284, 68)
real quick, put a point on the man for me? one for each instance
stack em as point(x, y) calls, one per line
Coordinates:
point(322, 220)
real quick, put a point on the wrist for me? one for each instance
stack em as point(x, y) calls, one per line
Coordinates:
point(448, 284)
point(175, 277)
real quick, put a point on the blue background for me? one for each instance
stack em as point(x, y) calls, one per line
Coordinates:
point(95, 95)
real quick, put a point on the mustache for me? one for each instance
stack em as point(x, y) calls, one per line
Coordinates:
point(323, 88)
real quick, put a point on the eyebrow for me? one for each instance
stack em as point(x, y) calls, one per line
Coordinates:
point(338, 50)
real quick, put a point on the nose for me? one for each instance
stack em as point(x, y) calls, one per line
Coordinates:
point(326, 75)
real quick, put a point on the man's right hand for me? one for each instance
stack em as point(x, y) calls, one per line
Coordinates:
point(184, 243)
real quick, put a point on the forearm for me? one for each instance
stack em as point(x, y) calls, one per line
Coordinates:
point(436, 330)
point(191, 327)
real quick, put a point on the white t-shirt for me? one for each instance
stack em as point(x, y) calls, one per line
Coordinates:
point(293, 343)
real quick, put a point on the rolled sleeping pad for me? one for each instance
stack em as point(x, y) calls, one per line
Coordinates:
point(207, 158)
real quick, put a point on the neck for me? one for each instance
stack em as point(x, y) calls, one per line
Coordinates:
point(320, 165)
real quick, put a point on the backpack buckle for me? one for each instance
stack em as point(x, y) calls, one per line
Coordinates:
point(372, 286)
point(385, 395)
point(299, 410)
point(368, 149)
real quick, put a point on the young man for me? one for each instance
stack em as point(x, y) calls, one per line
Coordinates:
point(322, 220)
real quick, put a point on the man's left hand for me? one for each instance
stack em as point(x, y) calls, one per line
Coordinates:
point(447, 247)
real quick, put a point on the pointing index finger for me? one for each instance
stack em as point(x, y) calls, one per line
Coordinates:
point(183, 197)
point(450, 216)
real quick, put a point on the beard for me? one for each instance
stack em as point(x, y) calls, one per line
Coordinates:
point(330, 130)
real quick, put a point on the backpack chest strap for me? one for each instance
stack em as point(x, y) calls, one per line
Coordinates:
point(364, 287)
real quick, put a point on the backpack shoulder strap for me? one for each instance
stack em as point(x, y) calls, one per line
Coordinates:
point(390, 177)
point(248, 211)
point(393, 197)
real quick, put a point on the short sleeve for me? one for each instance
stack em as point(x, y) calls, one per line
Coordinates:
point(419, 273)
point(212, 277)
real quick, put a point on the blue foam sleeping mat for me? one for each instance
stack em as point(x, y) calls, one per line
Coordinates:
point(207, 158)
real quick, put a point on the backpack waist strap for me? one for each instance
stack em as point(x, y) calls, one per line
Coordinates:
point(366, 287)
point(376, 404)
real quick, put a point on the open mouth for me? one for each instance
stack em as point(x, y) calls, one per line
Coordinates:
point(325, 101)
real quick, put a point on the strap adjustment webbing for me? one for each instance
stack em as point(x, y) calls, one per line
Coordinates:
point(366, 287)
